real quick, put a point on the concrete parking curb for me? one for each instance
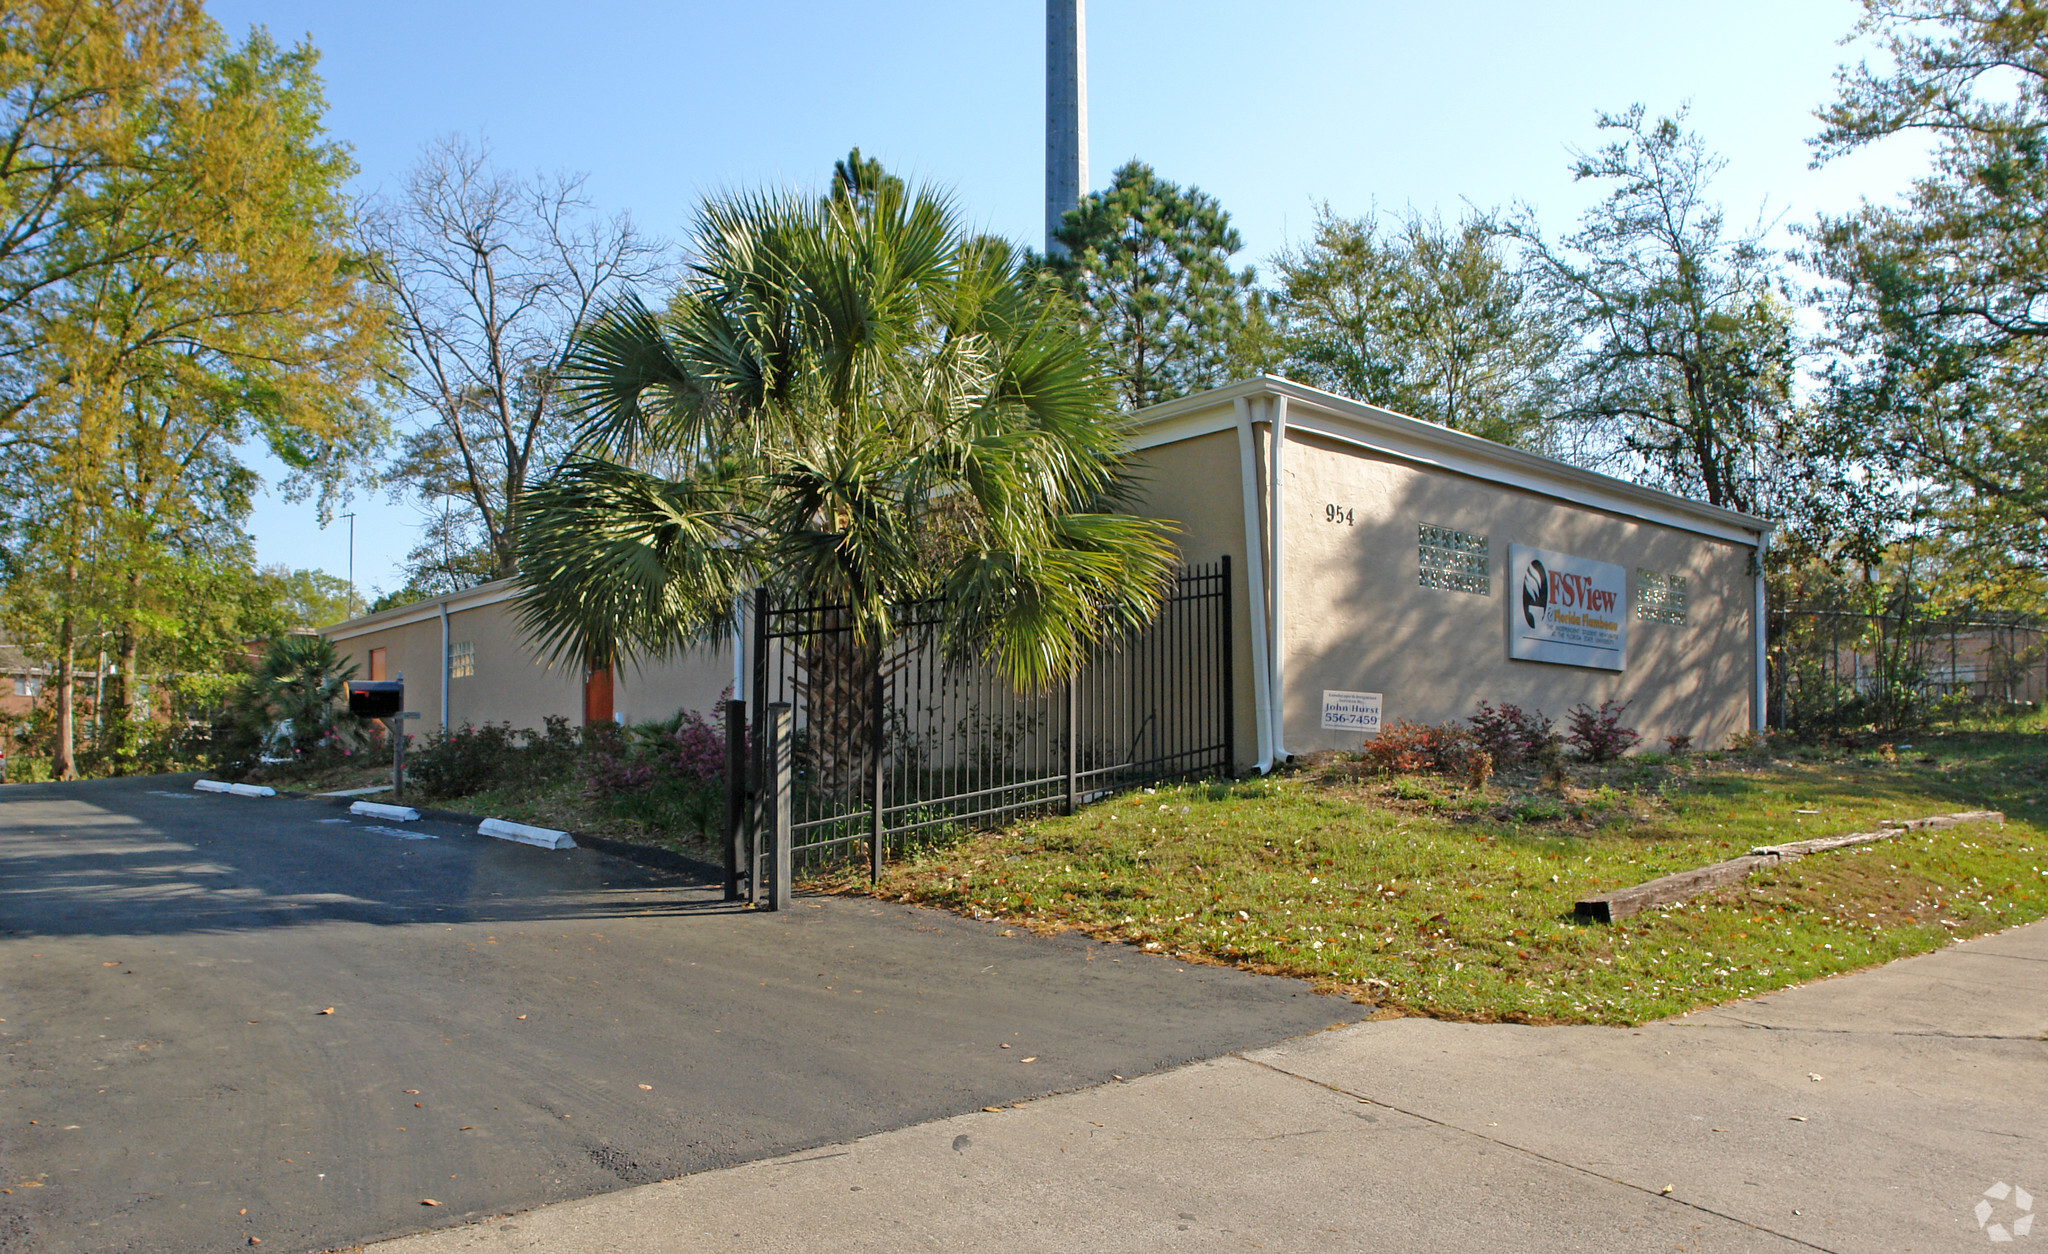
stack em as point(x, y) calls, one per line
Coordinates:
point(682, 865)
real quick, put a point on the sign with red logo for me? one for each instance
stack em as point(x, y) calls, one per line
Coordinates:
point(1566, 609)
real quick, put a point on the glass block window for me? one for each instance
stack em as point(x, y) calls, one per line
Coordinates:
point(462, 659)
point(1455, 561)
point(1660, 598)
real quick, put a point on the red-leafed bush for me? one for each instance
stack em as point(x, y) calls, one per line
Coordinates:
point(1405, 748)
point(623, 761)
point(1511, 734)
point(1597, 735)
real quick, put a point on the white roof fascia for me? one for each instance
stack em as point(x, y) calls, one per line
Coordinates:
point(1425, 443)
point(424, 611)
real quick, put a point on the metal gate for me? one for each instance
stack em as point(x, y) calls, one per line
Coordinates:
point(838, 749)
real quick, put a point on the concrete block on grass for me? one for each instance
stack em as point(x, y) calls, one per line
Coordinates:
point(378, 810)
point(539, 837)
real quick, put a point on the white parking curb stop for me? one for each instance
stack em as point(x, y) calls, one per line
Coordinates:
point(540, 837)
point(237, 790)
point(378, 810)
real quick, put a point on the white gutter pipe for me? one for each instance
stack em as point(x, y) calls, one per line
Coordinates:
point(1255, 585)
point(739, 651)
point(1276, 495)
point(445, 666)
point(1763, 632)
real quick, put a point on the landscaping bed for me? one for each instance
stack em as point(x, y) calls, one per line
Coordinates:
point(651, 785)
point(1428, 895)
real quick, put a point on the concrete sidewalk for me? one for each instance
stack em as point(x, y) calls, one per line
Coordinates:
point(1866, 1113)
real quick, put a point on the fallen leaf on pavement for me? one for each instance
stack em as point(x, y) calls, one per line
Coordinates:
point(1033, 1058)
point(412, 1092)
point(428, 1201)
point(1815, 1075)
point(994, 1110)
point(328, 1011)
point(1666, 1190)
point(1797, 1118)
point(647, 1088)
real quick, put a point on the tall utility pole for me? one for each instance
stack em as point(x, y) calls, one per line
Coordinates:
point(351, 564)
point(1066, 113)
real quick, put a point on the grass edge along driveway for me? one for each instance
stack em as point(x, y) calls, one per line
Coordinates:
point(1424, 897)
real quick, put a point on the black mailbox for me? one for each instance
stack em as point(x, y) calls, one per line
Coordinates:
point(376, 698)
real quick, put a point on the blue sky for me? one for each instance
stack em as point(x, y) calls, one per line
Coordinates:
point(1273, 108)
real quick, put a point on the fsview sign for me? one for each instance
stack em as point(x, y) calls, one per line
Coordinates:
point(1566, 609)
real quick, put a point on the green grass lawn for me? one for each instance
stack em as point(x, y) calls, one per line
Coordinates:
point(1427, 897)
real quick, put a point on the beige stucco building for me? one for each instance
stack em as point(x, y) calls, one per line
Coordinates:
point(1376, 553)
point(1375, 556)
point(465, 660)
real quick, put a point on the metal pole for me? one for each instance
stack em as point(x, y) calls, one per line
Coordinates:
point(351, 564)
point(876, 728)
point(781, 719)
point(1229, 672)
point(758, 774)
point(397, 725)
point(1073, 742)
point(735, 794)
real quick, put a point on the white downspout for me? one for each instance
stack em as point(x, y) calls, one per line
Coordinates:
point(1276, 573)
point(444, 666)
point(739, 652)
point(1763, 629)
point(1255, 585)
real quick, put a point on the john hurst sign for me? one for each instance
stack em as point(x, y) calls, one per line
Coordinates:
point(1566, 609)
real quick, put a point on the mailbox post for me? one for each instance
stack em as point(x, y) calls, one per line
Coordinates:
point(385, 699)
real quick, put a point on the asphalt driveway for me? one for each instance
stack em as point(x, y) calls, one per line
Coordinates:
point(508, 1026)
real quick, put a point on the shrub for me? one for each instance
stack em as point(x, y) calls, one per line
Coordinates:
point(462, 760)
point(1678, 745)
point(1405, 748)
point(1597, 735)
point(468, 759)
point(1511, 734)
point(684, 746)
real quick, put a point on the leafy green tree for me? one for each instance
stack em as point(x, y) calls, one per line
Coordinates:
point(1683, 354)
point(1149, 264)
point(222, 307)
point(1938, 303)
point(859, 408)
point(1438, 322)
point(80, 81)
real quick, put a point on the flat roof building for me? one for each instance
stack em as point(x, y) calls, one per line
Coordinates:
point(1385, 569)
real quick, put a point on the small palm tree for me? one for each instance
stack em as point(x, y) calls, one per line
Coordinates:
point(852, 402)
point(302, 683)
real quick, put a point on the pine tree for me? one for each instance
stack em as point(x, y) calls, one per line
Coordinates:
point(1149, 264)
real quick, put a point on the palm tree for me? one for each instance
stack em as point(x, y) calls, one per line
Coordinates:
point(301, 683)
point(852, 402)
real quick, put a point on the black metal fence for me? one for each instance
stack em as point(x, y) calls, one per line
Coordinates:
point(1837, 668)
point(843, 748)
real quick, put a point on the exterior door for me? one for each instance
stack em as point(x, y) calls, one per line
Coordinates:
point(597, 697)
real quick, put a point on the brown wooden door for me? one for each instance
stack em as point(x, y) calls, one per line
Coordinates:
point(597, 697)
